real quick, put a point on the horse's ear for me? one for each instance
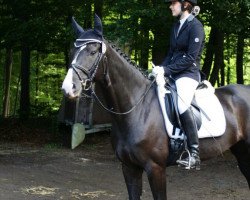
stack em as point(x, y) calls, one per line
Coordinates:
point(98, 25)
point(77, 28)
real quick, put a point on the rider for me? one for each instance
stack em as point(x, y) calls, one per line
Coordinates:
point(182, 63)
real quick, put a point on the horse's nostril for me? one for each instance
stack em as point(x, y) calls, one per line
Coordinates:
point(73, 86)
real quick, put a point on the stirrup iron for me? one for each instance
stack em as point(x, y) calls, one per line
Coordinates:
point(186, 162)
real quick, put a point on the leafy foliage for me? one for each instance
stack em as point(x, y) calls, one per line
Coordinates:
point(140, 27)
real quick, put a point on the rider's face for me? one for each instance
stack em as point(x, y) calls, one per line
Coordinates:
point(175, 7)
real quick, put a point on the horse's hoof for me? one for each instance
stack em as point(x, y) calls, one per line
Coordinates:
point(198, 168)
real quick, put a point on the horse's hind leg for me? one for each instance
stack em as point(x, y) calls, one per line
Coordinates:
point(241, 150)
point(133, 179)
point(157, 179)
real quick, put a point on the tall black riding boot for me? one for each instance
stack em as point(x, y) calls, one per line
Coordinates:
point(190, 129)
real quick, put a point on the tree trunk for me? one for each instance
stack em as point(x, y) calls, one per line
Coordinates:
point(66, 56)
point(67, 46)
point(98, 7)
point(159, 49)
point(37, 78)
point(144, 47)
point(239, 58)
point(222, 76)
point(208, 61)
point(161, 28)
point(219, 56)
point(135, 43)
point(228, 56)
point(87, 14)
point(25, 81)
point(8, 69)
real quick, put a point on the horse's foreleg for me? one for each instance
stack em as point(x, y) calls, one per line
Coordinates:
point(133, 179)
point(242, 153)
point(157, 179)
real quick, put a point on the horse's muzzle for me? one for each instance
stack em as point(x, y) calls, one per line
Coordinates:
point(71, 92)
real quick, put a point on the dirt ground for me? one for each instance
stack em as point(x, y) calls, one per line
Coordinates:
point(92, 172)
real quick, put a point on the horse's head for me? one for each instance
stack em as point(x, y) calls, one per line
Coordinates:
point(87, 53)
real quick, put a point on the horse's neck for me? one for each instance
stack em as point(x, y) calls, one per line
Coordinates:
point(127, 83)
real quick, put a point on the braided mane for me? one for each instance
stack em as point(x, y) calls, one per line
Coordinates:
point(128, 59)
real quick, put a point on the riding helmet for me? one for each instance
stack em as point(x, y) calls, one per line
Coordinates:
point(193, 2)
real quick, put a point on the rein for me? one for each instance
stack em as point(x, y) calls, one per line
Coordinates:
point(87, 84)
point(130, 110)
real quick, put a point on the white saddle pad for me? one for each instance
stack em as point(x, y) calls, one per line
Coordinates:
point(206, 99)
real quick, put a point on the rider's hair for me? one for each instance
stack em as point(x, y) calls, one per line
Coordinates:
point(185, 5)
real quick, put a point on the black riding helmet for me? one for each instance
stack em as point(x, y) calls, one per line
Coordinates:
point(193, 2)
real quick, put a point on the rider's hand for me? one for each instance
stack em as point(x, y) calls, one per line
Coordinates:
point(160, 80)
point(158, 70)
point(151, 76)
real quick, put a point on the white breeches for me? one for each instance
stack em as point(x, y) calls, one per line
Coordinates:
point(185, 89)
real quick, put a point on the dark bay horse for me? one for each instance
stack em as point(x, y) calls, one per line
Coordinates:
point(139, 137)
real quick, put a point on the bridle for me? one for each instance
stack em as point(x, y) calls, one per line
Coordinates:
point(87, 84)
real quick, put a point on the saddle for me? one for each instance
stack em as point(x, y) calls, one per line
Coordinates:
point(206, 107)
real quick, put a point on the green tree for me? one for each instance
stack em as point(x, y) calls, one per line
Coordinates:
point(231, 18)
point(40, 36)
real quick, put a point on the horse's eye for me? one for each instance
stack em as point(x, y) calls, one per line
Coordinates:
point(93, 53)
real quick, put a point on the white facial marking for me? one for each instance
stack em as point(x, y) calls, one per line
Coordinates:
point(67, 85)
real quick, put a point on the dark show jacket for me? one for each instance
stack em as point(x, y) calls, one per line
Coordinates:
point(183, 58)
